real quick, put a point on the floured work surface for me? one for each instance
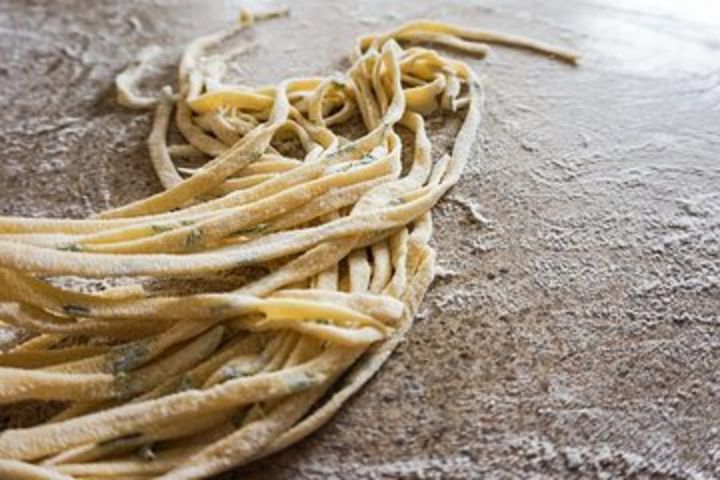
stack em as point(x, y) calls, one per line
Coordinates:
point(519, 291)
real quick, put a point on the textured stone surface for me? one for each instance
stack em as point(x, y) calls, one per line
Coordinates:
point(574, 330)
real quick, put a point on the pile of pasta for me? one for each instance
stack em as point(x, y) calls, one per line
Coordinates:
point(153, 383)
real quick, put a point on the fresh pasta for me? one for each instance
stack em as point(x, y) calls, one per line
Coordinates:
point(157, 381)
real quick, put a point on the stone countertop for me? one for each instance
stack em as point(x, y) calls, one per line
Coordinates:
point(574, 327)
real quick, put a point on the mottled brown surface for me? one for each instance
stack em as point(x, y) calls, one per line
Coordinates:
point(576, 333)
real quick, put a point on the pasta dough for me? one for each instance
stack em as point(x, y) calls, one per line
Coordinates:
point(186, 385)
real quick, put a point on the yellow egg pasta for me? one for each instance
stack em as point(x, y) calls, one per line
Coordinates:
point(168, 383)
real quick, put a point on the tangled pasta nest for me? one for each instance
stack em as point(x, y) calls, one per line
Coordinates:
point(163, 384)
